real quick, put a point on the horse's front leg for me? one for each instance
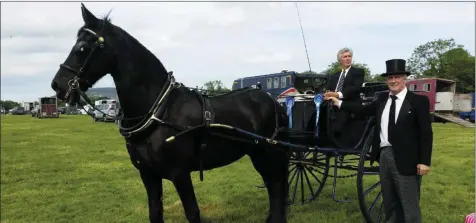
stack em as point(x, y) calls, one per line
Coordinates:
point(183, 185)
point(153, 186)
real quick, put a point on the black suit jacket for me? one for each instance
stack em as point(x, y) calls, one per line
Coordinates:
point(412, 136)
point(350, 91)
point(352, 83)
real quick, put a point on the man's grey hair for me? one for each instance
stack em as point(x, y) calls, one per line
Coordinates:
point(344, 50)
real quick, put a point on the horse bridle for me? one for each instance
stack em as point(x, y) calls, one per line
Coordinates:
point(73, 84)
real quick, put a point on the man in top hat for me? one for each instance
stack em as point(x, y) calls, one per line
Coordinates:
point(402, 142)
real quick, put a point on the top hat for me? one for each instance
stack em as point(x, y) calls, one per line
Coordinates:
point(395, 66)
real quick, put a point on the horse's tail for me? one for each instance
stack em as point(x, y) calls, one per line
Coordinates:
point(281, 116)
point(282, 124)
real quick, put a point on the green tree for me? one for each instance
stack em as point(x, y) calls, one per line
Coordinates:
point(426, 58)
point(335, 67)
point(8, 104)
point(378, 78)
point(444, 59)
point(458, 65)
point(215, 87)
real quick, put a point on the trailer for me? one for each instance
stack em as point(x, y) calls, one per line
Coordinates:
point(47, 108)
point(445, 103)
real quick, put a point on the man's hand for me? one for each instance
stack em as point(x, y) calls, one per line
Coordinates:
point(422, 169)
point(331, 94)
point(334, 101)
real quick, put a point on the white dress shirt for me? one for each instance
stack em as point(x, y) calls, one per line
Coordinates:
point(343, 72)
point(386, 114)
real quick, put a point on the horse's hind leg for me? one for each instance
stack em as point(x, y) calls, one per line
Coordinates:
point(153, 186)
point(273, 168)
point(183, 185)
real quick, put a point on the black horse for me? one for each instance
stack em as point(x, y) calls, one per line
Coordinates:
point(155, 107)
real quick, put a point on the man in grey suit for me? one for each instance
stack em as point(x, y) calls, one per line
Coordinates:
point(402, 144)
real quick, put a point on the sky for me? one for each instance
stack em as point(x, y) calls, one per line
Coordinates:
point(203, 41)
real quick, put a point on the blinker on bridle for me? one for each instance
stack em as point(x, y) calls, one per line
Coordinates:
point(73, 84)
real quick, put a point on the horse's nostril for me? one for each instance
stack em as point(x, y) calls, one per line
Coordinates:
point(54, 85)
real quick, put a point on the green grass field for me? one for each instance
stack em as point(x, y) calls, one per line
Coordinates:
point(73, 170)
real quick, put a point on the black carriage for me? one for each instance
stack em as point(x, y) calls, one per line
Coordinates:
point(308, 171)
point(314, 151)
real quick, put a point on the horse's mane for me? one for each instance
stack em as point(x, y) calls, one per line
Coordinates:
point(125, 36)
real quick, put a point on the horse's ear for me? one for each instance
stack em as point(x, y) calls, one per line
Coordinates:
point(88, 17)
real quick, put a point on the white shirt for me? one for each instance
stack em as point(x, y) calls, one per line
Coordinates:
point(386, 114)
point(343, 72)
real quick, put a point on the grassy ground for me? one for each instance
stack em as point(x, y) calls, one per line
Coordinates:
point(73, 170)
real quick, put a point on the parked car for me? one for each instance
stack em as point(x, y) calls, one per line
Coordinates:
point(18, 111)
point(109, 109)
point(61, 110)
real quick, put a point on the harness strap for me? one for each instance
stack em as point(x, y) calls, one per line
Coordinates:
point(208, 117)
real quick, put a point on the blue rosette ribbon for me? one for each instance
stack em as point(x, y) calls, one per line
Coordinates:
point(289, 106)
point(317, 101)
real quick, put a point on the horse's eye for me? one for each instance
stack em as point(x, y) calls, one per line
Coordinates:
point(79, 47)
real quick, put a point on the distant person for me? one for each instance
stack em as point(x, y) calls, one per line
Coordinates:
point(403, 141)
point(344, 85)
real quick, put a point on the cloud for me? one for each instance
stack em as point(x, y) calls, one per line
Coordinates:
point(277, 57)
point(204, 41)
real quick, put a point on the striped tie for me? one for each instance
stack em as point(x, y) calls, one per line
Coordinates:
point(341, 82)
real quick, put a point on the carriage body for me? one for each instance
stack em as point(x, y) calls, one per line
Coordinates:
point(309, 125)
point(308, 171)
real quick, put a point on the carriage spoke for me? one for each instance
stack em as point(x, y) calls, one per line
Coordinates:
point(295, 185)
point(294, 175)
point(371, 188)
point(315, 177)
point(309, 187)
point(379, 216)
point(302, 187)
point(309, 184)
point(375, 202)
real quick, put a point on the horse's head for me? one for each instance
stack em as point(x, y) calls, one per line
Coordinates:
point(90, 59)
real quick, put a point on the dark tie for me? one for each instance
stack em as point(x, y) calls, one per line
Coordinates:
point(391, 117)
point(340, 83)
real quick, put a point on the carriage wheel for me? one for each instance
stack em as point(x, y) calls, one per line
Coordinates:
point(368, 188)
point(310, 170)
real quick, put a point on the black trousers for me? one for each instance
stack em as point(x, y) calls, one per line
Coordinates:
point(401, 194)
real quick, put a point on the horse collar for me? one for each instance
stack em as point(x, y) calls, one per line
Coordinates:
point(156, 111)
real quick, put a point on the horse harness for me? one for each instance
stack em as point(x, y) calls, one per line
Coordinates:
point(156, 111)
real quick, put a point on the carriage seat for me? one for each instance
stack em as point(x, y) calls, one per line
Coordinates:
point(303, 129)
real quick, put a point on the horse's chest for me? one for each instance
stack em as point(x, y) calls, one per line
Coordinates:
point(142, 154)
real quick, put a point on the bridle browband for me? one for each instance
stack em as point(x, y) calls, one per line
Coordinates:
point(74, 85)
